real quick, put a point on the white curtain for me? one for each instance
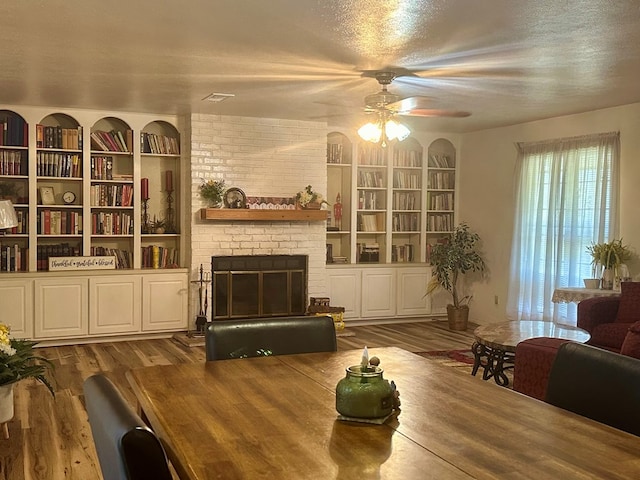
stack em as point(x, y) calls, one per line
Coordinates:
point(566, 198)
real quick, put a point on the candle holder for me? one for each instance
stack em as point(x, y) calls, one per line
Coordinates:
point(146, 226)
point(169, 217)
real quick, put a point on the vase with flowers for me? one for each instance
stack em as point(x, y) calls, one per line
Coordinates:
point(212, 191)
point(607, 260)
point(307, 199)
point(18, 361)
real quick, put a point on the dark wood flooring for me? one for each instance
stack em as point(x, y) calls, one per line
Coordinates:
point(50, 439)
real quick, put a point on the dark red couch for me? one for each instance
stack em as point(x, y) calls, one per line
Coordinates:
point(612, 322)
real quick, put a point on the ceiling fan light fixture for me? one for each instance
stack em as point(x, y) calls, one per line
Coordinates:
point(382, 130)
point(396, 131)
point(370, 132)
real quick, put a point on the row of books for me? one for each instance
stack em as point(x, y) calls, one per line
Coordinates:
point(55, 250)
point(406, 201)
point(371, 155)
point(112, 141)
point(59, 222)
point(402, 253)
point(58, 137)
point(440, 201)
point(407, 158)
point(370, 222)
point(23, 223)
point(370, 179)
point(334, 153)
point(14, 131)
point(155, 256)
point(442, 180)
point(370, 200)
point(112, 195)
point(101, 168)
point(405, 222)
point(13, 258)
point(13, 162)
point(161, 144)
point(440, 222)
point(441, 161)
point(403, 179)
point(111, 223)
point(53, 164)
point(124, 258)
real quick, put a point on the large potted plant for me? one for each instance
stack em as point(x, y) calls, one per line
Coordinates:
point(449, 260)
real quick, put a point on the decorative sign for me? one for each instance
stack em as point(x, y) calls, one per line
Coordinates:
point(82, 263)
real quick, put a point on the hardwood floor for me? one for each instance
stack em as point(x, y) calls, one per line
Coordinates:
point(50, 439)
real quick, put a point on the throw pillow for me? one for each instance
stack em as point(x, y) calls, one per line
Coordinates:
point(629, 309)
point(631, 344)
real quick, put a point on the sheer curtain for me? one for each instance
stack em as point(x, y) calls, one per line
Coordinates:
point(566, 198)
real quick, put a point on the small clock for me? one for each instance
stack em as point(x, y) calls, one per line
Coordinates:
point(68, 197)
point(235, 198)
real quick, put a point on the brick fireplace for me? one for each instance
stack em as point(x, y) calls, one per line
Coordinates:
point(265, 158)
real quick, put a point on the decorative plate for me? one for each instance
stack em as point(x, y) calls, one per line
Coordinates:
point(235, 198)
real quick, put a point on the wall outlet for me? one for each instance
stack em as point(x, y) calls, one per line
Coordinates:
point(495, 299)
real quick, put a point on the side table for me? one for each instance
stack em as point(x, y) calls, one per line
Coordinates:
point(495, 344)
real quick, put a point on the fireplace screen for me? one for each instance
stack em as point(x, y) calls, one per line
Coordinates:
point(259, 286)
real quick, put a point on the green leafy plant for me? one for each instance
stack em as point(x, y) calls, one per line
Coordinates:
point(609, 254)
point(212, 190)
point(457, 256)
point(18, 360)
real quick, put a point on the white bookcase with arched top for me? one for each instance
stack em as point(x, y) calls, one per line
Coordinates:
point(80, 181)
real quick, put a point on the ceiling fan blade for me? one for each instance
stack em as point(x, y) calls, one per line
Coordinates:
point(410, 103)
point(434, 112)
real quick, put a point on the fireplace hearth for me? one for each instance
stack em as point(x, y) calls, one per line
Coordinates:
point(255, 286)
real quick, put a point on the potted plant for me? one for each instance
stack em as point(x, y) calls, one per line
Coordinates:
point(17, 362)
point(449, 260)
point(212, 191)
point(158, 226)
point(608, 256)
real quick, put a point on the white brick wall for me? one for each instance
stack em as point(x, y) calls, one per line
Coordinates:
point(265, 158)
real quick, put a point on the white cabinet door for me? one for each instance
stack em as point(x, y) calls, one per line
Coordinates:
point(345, 290)
point(61, 307)
point(16, 302)
point(412, 285)
point(116, 304)
point(378, 292)
point(164, 302)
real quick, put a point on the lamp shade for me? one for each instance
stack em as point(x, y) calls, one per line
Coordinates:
point(8, 217)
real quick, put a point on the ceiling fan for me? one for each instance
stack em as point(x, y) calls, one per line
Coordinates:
point(386, 105)
point(385, 102)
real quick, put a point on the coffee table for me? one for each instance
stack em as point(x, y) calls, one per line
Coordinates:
point(495, 344)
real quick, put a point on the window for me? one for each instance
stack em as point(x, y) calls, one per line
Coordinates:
point(566, 198)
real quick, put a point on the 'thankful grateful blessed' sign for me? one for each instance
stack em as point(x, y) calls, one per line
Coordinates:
point(82, 263)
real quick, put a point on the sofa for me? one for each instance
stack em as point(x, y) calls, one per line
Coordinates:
point(612, 322)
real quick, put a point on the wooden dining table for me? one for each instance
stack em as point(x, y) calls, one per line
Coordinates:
point(275, 418)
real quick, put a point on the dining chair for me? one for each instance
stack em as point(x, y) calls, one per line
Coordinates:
point(598, 384)
point(253, 337)
point(127, 448)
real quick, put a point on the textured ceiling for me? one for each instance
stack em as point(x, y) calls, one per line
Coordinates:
point(505, 61)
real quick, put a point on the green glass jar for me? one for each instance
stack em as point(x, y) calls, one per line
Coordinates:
point(364, 394)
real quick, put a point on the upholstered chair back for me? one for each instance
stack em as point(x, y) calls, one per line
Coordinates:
point(254, 337)
point(598, 384)
point(127, 448)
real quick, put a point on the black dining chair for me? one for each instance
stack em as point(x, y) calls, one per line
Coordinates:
point(598, 384)
point(255, 337)
point(127, 448)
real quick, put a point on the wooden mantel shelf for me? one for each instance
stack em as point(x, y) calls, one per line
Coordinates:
point(255, 215)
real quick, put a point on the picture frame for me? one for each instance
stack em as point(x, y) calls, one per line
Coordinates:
point(47, 196)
